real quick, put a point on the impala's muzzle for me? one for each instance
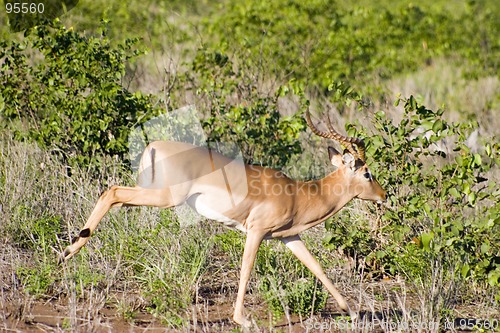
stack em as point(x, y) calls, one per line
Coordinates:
point(383, 198)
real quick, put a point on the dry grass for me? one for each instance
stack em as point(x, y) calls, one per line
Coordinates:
point(110, 273)
point(141, 253)
point(443, 84)
point(109, 285)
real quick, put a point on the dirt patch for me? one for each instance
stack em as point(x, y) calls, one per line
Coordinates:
point(383, 303)
point(210, 314)
point(56, 316)
point(52, 316)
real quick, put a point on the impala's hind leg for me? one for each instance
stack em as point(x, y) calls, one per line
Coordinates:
point(117, 196)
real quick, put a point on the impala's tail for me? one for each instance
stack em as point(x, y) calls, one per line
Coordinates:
point(152, 154)
point(147, 168)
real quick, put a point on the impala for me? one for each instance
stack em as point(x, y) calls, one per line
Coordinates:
point(262, 202)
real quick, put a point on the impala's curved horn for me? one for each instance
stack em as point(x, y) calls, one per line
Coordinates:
point(355, 146)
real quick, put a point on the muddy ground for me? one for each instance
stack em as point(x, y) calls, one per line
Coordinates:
point(212, 314)
point(384, 306)
point(54, 315)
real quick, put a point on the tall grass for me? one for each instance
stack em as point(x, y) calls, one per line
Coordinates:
point(139, 260)
point(135, 251)
point(443, 83)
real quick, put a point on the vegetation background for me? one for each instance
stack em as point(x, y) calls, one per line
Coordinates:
point(418, 81)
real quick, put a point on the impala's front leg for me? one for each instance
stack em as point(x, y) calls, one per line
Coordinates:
point(295, 244)
point(254, 238)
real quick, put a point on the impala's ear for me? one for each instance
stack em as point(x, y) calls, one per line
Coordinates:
point(349, 161)
point(335, 156)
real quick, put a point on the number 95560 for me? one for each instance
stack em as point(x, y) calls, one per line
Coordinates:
point(24, 8)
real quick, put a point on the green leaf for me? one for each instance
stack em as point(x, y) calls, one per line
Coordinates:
point(426, 239)
point(472, 198)
point(488, 150)
point(485, 248)
point(413, 103)
point(494, 277)
point(427, 125)
point(453, 192)
point(438, 126)
point(466, 189)
point(465, 270)
point(477, 159)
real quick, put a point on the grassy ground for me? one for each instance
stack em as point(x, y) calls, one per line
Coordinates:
point(145, 271)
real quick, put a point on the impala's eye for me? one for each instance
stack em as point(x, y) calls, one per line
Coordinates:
point(368, 175)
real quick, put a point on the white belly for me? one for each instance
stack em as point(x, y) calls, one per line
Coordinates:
point(206, 209)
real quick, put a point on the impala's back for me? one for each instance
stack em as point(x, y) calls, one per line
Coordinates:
point(209, 182)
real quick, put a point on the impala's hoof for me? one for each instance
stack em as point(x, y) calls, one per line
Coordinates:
point(353, 315)
point(244, 322)
point(64, 256)
point(76, 244)
point(68, 253)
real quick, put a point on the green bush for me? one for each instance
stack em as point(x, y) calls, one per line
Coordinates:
point(319, 41)
point(442, 206)
point(445, 197)
point(65, 91)
point(238, 112)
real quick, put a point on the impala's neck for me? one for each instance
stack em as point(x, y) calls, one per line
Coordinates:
point(323, 198)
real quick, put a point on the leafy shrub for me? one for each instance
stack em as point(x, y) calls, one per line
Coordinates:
point(64, 90)
point(444, 196)
point(265, 137)
point(442, 206)
point(239, 113)
point(319, 41)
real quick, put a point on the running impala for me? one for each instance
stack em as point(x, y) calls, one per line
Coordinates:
point(261, 202)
